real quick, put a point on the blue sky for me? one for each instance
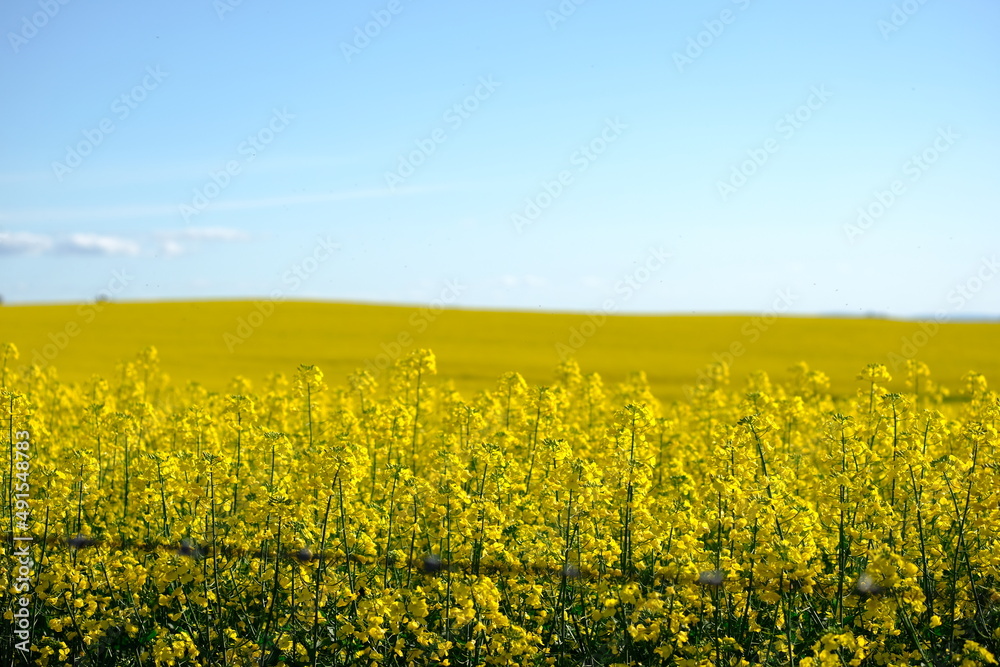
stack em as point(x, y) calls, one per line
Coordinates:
point(525, 155)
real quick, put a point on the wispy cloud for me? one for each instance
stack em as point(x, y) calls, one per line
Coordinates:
point(26, 243)
point(510, 281)
point(23, 243)
point(204, 234)
point(133, 211)
point(173, 241)
point(179, 172)
point(96, 244)
point(171, 248)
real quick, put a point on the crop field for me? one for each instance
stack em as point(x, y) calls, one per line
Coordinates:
point(570, 334)
point(410, 516)
point(212, 342)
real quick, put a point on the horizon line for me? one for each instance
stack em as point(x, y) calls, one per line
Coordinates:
point(984, 318)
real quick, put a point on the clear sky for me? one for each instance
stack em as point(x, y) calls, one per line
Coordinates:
point(725, 156)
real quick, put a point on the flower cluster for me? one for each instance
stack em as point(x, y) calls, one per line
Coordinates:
point(574, 523)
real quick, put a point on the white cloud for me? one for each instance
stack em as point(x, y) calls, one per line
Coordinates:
point(171, 248)
point(23, 243)
point(96, 244)
point(172, 241)
point(530, 281)
point(131, 211)
point(205, 234)
point(26, 243)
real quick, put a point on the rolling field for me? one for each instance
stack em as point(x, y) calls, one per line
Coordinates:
point(332, 506)
point(205, 342)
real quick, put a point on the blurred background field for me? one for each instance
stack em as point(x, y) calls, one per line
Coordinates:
point(211, 342)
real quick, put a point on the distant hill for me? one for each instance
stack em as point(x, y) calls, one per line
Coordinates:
point(211, 342)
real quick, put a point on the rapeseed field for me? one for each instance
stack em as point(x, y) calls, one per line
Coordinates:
point(394, 518)
point(213, 341)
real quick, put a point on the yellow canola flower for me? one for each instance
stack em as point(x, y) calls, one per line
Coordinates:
point(394, 520)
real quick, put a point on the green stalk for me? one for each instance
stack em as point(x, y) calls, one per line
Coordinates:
point(763, 465)
point(416, 419)
point(319, 579)
point(239, 459)
point(215, 569)
point(388, 536)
